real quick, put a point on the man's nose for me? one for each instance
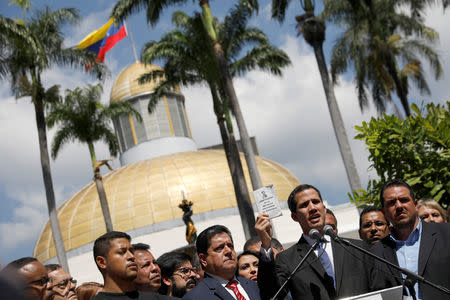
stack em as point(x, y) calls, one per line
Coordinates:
point(130, 256)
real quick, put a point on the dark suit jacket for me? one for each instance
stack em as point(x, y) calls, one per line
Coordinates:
point(210, 288)
point(311, 281)
point(434, 260)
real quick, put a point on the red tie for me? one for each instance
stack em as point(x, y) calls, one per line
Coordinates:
point(233, 286)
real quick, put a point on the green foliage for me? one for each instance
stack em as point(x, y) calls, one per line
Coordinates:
point(416, 149)
point(81, 116)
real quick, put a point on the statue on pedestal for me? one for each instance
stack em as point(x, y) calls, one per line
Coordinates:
point(191, 231)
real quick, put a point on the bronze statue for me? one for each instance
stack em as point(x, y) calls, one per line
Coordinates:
point(191, 232)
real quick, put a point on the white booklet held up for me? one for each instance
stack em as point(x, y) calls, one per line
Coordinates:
point(267, 201)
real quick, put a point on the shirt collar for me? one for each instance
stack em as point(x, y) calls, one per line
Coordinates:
point(311, 241)
point(222, 280)
point(412, 238)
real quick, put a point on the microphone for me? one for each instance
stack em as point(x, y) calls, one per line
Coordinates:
point(315, 234)
point(329, 231)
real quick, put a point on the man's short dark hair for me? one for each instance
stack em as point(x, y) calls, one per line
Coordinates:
point(168, 263)
point(17, 264)
point(204, 238)
point(330, 212)
point(141, 247)
point(251, 241)
point(393, 183)
point(255, 239)
point(291, 200)
point(52, 267)
point(369, 209)
point(102, 244)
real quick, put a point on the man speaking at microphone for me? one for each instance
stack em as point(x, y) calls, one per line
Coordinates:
point(330, 272)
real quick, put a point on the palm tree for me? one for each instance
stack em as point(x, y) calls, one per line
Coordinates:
point(154, 8)
point(81, 116)
point(313, 30)
point(189, 59)
point(378, 35)
point(28, 49)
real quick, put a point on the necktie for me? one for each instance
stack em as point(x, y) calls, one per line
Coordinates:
point(326, 263)
point(233, 286)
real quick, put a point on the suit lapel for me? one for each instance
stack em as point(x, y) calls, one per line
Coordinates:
point(312, 260)
point(389, 253)
point(216, 288)
point(338, 260)
point(248, 289)
point(427, 241)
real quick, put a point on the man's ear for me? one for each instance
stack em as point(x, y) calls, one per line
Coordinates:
point(101, 262)
point(294, 217)
point(360, 235)
point(166, 280)
point(202, 258)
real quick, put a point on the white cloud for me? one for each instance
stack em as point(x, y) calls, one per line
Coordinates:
point(288, 116)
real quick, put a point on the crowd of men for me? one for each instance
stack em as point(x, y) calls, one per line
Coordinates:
point(408, 234)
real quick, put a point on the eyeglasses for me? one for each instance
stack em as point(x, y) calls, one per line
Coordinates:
point(62, 284)
point(185, 272)
point(42, 281)
point(377, 224)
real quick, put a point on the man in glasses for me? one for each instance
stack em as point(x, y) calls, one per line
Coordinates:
point(149, 275)
point(373, 225)
point(32, 275)
point(61, 284)
point(177, 274)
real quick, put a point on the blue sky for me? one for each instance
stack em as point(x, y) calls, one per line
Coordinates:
point(288, 116)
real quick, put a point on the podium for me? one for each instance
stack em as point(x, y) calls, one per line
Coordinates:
point(394, 293)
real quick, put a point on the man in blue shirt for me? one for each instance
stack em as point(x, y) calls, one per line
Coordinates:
point(422, 248)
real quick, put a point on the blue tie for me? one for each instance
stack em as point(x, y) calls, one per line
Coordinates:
point(326, 263)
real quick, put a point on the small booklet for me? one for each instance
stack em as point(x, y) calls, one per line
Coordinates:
point(267, 201)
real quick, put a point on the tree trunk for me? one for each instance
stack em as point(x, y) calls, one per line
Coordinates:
point(244, 204)
point(237, 175)
point(398, 85)
point(48, 182)
point(336, 119)
point(98, 179)
point(229, 90)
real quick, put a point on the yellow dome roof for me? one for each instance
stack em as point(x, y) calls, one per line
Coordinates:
point(126, 83)
point(148, 192)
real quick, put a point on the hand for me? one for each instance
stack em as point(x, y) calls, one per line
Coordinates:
point(264, 230)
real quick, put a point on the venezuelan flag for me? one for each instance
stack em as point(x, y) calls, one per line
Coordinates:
point(104, 39)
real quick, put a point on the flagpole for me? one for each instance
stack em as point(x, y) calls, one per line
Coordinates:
point(132, 41)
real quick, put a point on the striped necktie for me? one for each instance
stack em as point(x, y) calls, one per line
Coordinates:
point(326, 263)
point(232, 284)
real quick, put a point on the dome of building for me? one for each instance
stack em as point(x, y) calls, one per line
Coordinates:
point(144, 196)
point(126, 84)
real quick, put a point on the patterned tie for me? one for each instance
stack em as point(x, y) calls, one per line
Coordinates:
point(233, 286)
point(326, 263)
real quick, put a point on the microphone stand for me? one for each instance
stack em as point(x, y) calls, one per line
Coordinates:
point(409, 275)
point(314, 246)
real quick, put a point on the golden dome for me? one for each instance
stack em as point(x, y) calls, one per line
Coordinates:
point(148, 192)
point(126, 84)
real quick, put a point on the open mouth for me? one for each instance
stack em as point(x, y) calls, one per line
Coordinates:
point(314, 218)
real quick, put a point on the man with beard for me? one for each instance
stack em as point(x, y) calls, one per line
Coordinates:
point(114, 257)
point(330, 272)
point(177, 274)
point(410, 237)
point(30, 275)
point(60, 284)
point(149, 273)
point(215, 250)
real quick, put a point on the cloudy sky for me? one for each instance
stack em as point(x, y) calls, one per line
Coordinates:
point(288, 116)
